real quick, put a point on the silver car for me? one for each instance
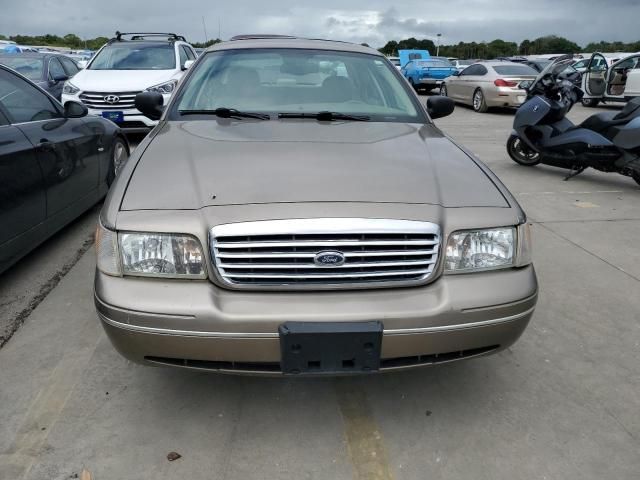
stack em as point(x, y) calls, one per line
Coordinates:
point(296, 211)
point(489, 84)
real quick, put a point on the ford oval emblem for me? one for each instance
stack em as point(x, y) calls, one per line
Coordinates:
point(329, 259)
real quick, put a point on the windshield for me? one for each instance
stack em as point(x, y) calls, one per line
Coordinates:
point(29, 67)
point(135, 56)
point(298, 81)
point(433, 63)
point(515, 70)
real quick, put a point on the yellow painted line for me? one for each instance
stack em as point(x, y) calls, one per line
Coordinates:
point(586, 205)
point(364, 440)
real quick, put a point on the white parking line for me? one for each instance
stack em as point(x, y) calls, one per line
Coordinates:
point(569, 192)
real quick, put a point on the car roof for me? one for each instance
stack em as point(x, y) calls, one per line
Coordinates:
point(257, 42)
point(27, 54)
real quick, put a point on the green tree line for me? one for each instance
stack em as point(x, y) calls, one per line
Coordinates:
point(501, 48)
point(495, 48)
point(73, 41)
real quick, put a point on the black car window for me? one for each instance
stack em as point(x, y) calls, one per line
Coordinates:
point(3, 120)
point(70, 66)
point(474, 70)
point(55, 69)
point(23, 102)
point(30, 67)
point(515, 70)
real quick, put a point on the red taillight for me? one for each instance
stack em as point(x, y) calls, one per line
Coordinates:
point(504, 83)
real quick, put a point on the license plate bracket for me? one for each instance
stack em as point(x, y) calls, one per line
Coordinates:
point(115, 116)
point(330, 347)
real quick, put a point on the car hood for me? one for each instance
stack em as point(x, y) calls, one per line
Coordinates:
point(120, 80)
point(190, 165)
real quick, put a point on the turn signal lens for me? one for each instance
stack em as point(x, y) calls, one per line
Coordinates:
point(107, 251)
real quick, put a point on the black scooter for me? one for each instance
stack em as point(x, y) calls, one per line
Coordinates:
point(608, 141)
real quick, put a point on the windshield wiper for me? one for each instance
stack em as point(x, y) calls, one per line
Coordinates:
point(326, 116)
point(223, 112)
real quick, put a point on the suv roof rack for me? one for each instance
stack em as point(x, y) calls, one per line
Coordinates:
point(172, 37)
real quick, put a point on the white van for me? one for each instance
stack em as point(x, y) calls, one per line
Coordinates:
point(619, 82)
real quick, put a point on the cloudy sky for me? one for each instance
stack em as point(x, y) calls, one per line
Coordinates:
point(371, 21)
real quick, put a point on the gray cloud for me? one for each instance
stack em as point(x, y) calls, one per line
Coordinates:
point(370, 21)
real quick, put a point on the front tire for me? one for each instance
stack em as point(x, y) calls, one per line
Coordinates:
point(479, 103)
point(119, 156)
point(521, 153)
point(590, 102)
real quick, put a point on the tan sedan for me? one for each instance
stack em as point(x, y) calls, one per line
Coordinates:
point(489, 84)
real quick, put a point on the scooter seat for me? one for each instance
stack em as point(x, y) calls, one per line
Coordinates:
point(601, 122)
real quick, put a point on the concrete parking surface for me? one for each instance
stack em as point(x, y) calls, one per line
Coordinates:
point(562, 403)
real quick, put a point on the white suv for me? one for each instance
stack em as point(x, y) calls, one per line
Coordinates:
point(125, 67)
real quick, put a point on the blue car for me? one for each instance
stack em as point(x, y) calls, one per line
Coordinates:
point(427, 74)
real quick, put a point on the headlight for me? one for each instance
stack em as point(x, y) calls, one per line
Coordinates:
point(161, 255)
point(166, 88)
point(149, 254)
point(474, 250)
point(70, 89)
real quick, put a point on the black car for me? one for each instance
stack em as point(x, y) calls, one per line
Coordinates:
point(47, 70)
point(55, 163)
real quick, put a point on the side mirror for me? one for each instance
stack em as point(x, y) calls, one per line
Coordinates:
point(150, 104)
point(456, 73)
point(60, 78)
point(82, 64)
point(75, 110)
point(187, 64)
point(439, 107)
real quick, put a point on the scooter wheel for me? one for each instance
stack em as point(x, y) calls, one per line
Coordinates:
point(521, 153)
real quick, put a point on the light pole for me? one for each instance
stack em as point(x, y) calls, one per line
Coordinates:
point(438, 35)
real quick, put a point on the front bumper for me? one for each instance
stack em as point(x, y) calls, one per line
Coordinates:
point(199, 325)
point(134, 120)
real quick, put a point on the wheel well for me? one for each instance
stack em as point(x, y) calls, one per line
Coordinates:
point(122, 137)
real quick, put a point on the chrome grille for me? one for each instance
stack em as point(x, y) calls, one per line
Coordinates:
point(283, 253)
point(97, 100)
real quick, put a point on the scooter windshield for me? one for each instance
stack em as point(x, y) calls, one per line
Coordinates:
point(555, 68)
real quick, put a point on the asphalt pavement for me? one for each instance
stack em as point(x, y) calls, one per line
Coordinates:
point(562, 403)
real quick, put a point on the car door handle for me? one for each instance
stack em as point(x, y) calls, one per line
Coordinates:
point(46, 146)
